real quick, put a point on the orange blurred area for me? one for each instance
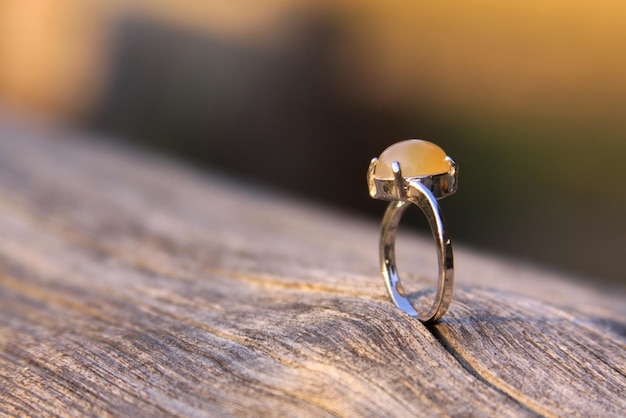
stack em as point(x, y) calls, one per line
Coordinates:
point(529, 57)
point(529, 97)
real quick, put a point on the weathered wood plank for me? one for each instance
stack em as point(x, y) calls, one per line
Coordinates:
point(556, 361)
point(132, 285)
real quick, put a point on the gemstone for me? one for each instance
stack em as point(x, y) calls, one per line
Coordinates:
point(416, 157)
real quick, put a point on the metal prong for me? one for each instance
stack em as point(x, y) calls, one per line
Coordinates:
point(370, 177)
point(399, 180)
point(452, 165)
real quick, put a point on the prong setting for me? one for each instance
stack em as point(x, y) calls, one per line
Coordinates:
point(396, 188)
point(399, 180)
point(370, 177)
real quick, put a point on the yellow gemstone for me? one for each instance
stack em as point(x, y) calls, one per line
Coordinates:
point(416, 157)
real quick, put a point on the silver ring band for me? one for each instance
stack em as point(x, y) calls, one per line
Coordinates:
point(423, 198)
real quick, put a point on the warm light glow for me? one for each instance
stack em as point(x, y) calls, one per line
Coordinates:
point(524, 56)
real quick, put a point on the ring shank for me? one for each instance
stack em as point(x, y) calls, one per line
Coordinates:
point(422, 197)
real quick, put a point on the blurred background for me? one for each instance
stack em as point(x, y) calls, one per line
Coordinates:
point(529, 97)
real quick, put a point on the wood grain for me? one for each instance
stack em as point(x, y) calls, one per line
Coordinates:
point(131, 285)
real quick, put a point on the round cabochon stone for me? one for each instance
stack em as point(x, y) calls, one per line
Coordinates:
point(416, 157)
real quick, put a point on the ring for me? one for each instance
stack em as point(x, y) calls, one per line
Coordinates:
point(421, 173)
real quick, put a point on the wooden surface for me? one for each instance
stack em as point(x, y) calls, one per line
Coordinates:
point(132, 286)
